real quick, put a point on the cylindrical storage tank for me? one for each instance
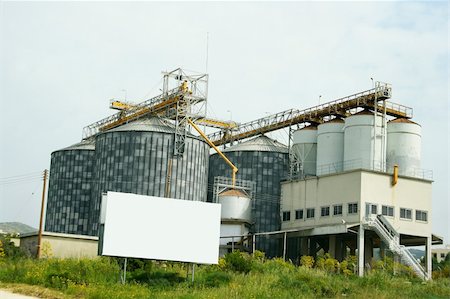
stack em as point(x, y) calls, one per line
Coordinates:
point(138, 158)
point(235, 205)
point(69, 189)
point(304, 147)
point(330, 147)
point(404, 143)
point(363, 142)
point(235, 218)
point(265, 162)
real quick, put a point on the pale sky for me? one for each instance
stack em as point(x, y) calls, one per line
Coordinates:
point(61, 63)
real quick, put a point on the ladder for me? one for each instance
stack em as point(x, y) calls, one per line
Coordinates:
point(391, 237)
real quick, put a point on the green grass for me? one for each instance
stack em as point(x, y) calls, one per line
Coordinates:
point(236, 276)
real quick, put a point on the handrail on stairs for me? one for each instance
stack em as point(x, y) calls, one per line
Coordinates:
point(392, 237)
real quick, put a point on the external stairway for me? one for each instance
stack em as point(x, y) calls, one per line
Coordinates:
point(391, 237)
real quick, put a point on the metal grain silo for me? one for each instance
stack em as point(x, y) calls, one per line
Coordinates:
point(404, 146)
point(265, 162)
point(330, 147)
point(138, 158)
point(236, 208)
point(69, 189)
point(304, 147)
point(363, 143)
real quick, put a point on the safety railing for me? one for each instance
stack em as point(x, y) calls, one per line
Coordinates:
point(337, 167)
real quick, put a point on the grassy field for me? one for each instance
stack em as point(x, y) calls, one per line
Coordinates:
point(237, 276)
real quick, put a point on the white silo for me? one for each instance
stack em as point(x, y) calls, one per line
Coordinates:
point(363, 142)
point(236, 210)
point(330, 147)
point(304, 147)
point(404, 146)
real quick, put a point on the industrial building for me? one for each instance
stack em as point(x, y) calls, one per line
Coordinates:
point(347, 181)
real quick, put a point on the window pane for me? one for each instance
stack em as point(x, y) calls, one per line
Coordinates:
point(299, 214)
point(337, 210)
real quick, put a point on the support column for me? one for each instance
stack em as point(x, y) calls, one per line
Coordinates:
point(428, 260)
point(313, 247)
point(361, 251)
point(304, 246)
point(340, 247)
point(332, 246)
point(382, 250)
point(368, 249)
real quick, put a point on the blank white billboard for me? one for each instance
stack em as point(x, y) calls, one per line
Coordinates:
point(160, 228)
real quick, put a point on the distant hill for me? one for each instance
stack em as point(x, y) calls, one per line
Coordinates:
point(15, 228)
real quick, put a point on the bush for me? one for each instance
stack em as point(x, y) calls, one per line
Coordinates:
point(307, 261)
point(238, 261)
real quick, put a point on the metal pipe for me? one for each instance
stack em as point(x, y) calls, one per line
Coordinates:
point(395, 175)
point(254, 244)
point(234, 169)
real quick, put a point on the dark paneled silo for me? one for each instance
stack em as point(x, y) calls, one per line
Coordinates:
point(69, 190)
point(138, 158)
point(265, 162)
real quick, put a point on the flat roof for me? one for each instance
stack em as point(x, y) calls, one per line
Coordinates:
point(60, 235)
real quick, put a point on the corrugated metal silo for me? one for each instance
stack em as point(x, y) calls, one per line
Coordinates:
point(138, 158)
point(404, 146)
point(265, 162)
point(304, 147)
point(361, 149)
point(69, 189)
point(330, 147)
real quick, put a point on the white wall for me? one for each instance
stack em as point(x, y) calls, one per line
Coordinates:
point(361, 187)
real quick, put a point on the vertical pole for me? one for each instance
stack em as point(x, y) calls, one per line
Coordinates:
point(284, 245)
point(41, 218)
point(361, 250)
point(124, 274)
point(384, 138)
point(254, 244)
point(428, 257)
point(232, 244)
point(375, 112)
point(193, 272)
point(168, 177)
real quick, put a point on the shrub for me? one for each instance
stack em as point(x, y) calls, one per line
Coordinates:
point(307, 261)
point(259, 256)
point(352, 263)
point(238, 261)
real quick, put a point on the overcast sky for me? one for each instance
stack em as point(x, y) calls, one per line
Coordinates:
point(61, 63)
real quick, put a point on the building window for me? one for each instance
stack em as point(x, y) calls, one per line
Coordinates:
point(443, 255)
point(337, 210)
point(325, 211)
point(286, 215)
point(435, 255)
point(310, 213)
point(352, 208)
point(405, 213)
point(298, 214)
point(421, 215)
point(371, 209)
point(387, 211)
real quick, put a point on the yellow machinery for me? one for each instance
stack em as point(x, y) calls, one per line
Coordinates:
point(234, 169)
point(209, 122)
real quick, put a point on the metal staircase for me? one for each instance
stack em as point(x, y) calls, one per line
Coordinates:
point(391, 237)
